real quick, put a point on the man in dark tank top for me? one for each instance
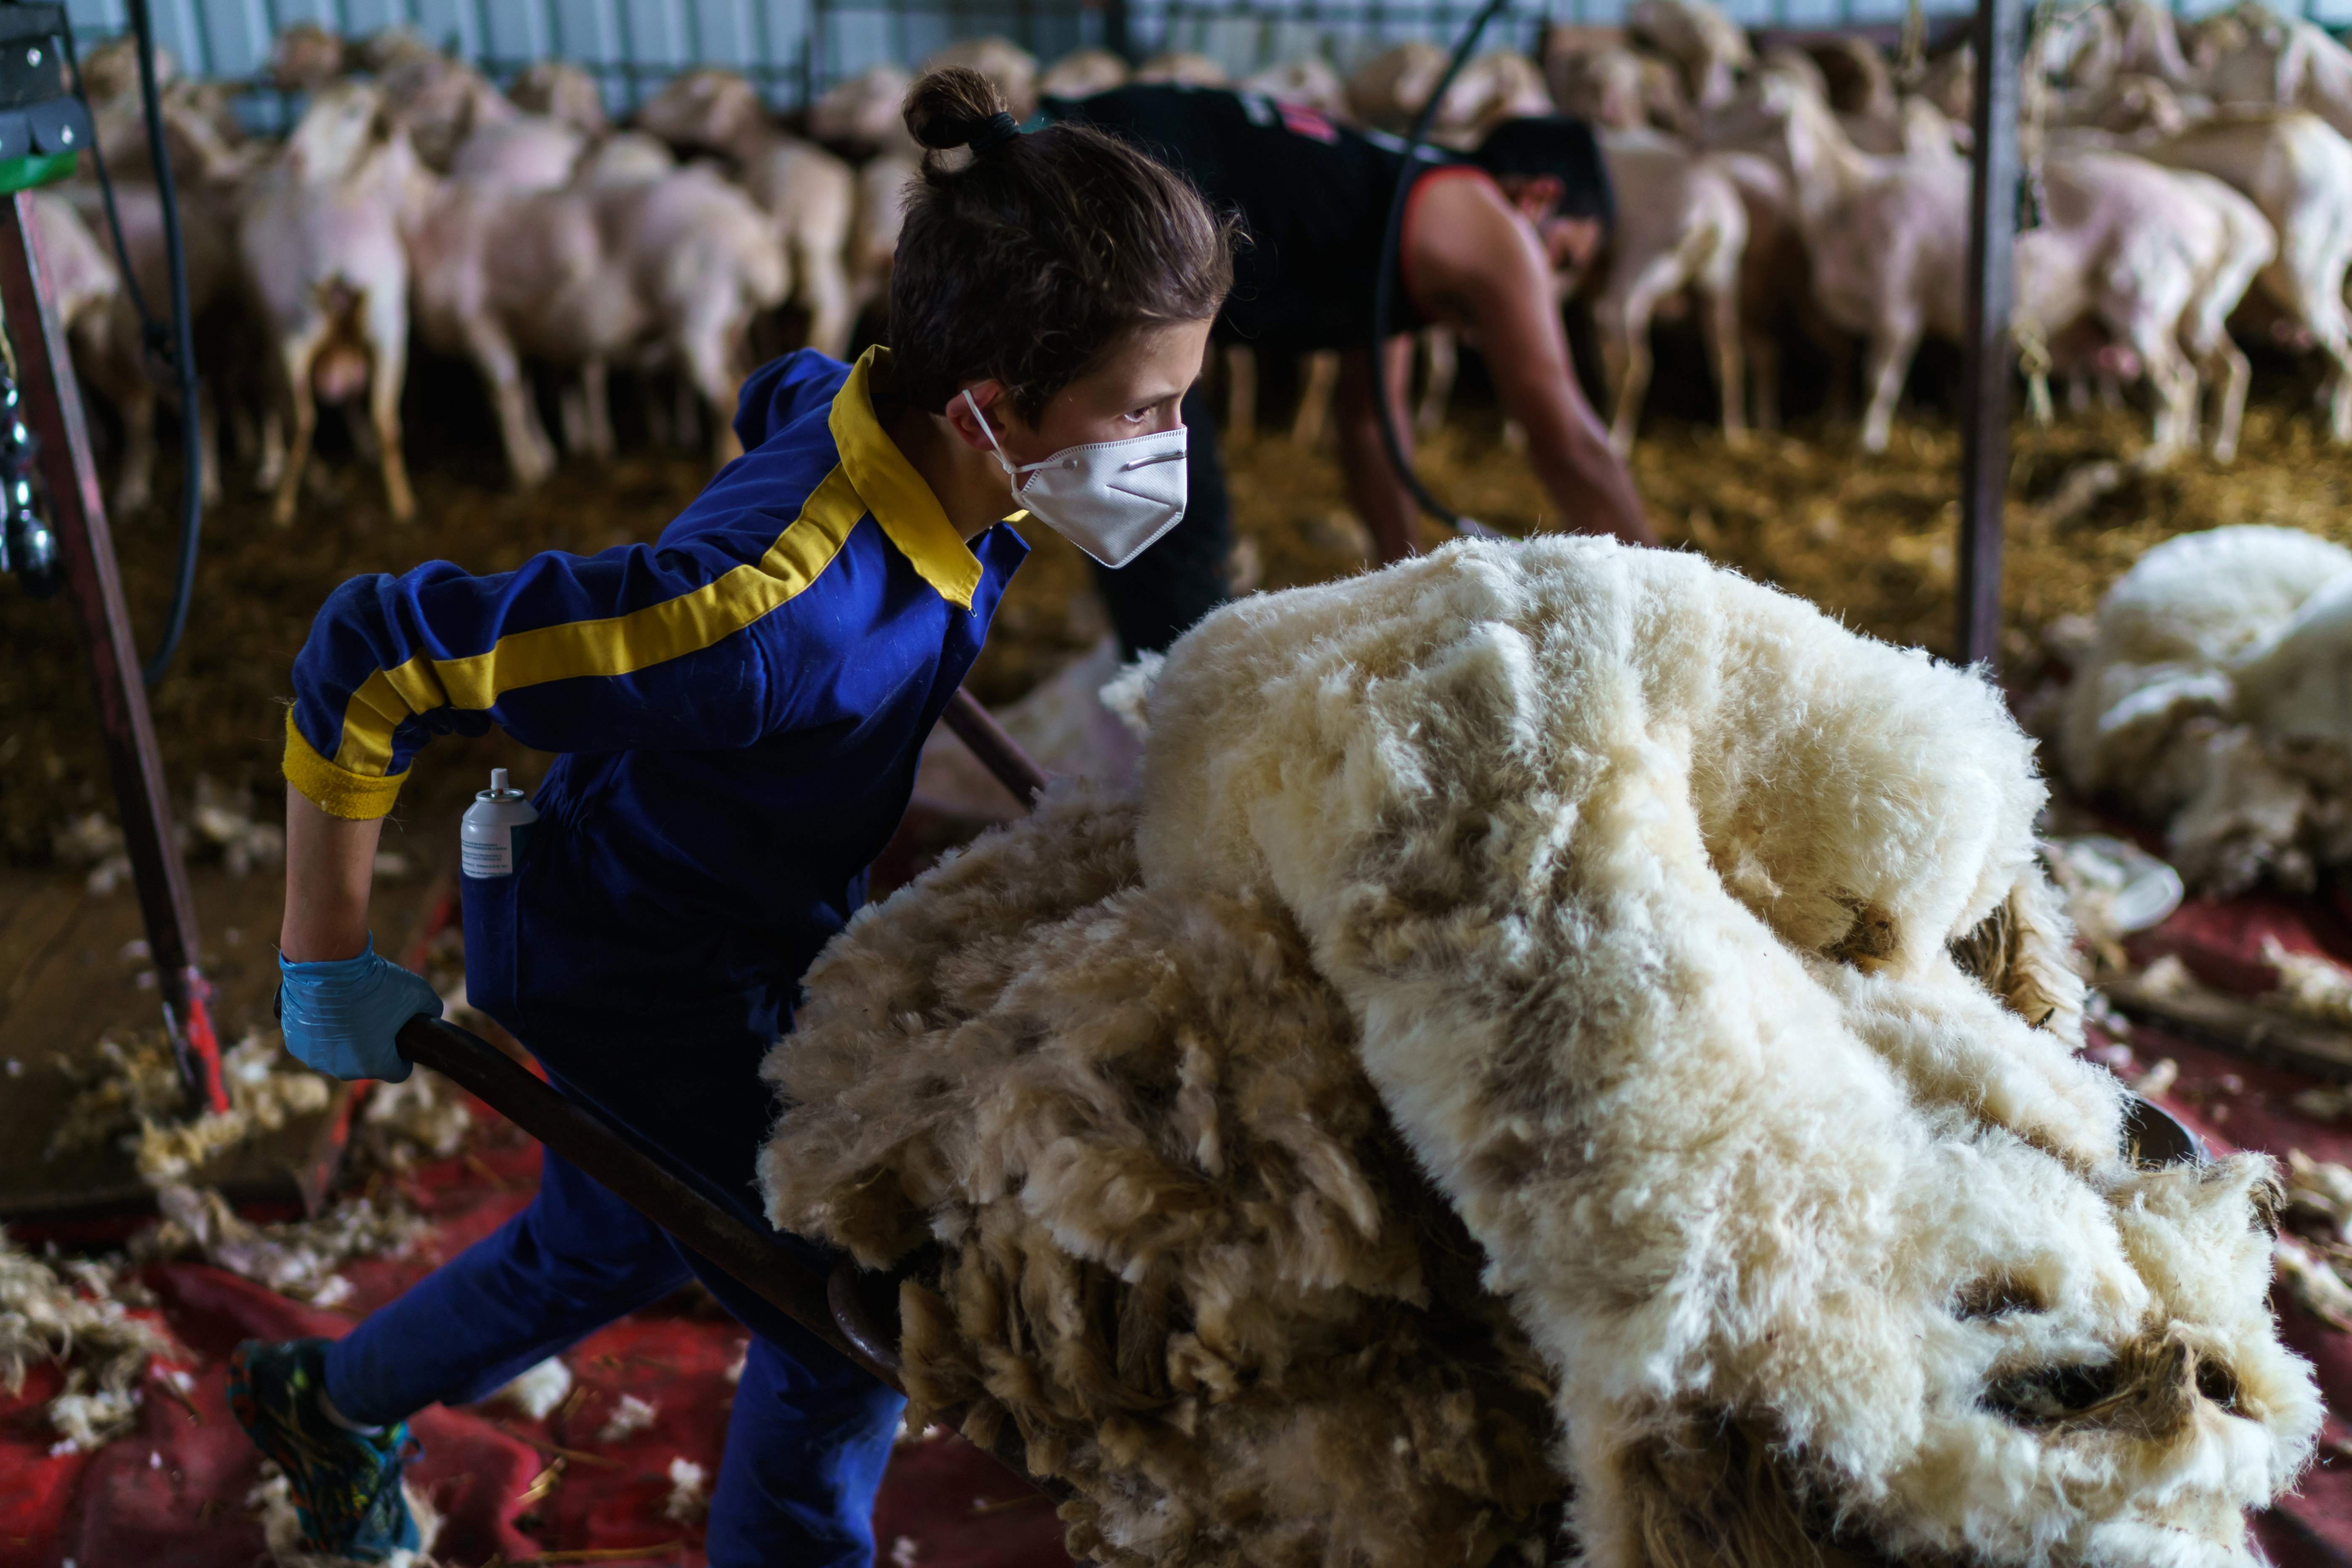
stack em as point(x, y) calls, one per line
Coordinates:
point(1488, 239)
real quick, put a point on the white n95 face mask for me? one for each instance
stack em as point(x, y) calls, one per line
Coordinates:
point(1112, 500)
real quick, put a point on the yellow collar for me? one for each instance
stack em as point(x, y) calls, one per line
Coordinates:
point(901, 502)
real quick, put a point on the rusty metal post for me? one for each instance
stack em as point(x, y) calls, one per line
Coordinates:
point(53, 411)
point(1984, 376)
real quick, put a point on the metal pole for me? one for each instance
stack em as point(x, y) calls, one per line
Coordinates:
point(53, 411)
point(1984, 377)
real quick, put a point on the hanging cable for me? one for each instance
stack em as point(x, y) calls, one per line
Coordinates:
point(1384, 284)
point(170, 345)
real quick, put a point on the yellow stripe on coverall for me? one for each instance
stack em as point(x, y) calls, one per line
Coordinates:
point(615, 646)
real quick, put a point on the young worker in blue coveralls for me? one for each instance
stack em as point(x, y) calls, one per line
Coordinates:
point(738, 708)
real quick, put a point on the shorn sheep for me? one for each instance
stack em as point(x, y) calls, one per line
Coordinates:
point(1569, 1050)
point(2218, 701)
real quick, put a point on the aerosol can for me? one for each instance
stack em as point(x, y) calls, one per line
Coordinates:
point(497, 827)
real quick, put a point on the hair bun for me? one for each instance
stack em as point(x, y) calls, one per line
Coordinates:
point(955, 106)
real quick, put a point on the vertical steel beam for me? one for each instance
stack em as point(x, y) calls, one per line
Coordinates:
point(1984, 376)
point(53, 411)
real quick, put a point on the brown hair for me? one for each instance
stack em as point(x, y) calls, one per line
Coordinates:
point(1033, 257)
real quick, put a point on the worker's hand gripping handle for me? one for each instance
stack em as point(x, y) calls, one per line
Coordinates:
point(340, 1016)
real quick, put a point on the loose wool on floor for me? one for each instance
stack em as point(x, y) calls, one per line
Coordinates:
point(1564, 1038)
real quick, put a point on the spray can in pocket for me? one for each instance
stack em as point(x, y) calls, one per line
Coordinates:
point(497, 827)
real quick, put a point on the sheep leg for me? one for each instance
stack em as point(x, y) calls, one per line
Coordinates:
point(1721, 323)
point(1626, 355)
point(711, 372)
point(134, 484)
point(2339, 385)
point(208, 445)
point(356, 422)
point(1241, 396)
point(528, 454)
point(1314, 394)
point(1764, 378)
point(572, 411)
point(824, 289)
point(388, 338)
point(1892, 345)
point(596, 397)
point(1443, 351)
point(269, 465)
point(295, 354)
point(2225, 363)
point(2148, 328)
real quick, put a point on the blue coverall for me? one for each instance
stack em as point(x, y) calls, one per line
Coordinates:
point(738, 707)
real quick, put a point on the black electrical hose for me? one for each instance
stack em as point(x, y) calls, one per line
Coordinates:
point(1384, 284)
point(174, 345)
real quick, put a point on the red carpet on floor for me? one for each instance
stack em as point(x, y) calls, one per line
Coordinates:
point(512, 1490)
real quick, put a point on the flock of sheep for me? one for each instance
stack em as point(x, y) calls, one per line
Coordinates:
point(2185, 176)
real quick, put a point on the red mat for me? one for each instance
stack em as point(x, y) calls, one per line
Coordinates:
point(175, 1492)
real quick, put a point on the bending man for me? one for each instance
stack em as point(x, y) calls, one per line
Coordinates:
point(1486, 241)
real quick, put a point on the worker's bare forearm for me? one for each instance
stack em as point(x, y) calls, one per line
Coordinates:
point(329, 869)
point(1379, 496)
point(1574, 462)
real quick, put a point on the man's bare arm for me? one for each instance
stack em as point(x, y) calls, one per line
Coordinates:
point(1376, 493)
point(1478, 263)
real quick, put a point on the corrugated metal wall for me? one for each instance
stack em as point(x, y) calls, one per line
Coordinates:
point(791, 47)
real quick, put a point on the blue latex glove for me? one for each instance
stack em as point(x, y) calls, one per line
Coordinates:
point(340, 1016)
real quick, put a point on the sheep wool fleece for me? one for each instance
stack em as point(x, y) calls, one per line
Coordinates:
point(2218, 701)
point(1631, 933)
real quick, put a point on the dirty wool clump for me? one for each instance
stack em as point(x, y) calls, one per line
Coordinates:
point(1185, 1256)
point(294, 1258)
point(132, 1092)
point(1694, 950)
point(2214, 703)
point(73, 1315)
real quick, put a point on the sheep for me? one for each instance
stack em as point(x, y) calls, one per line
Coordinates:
point(209, 174)
point(2159, 257)
point(862, 112)
point(563, 92)
point(2298, 171)
point(2212, 704)
point(882, 183)
point(1599, 87)
point(1776, 287)
point(320, 248)
point(1389, 89)
point(2286, 62)
point(810, 194)
point(1887, 237)
point(463, 127)
point(1012, 69)
point(1680, 225)
point(304, 57)
point(668, 270)
point(1705, 46)
point(1183, 68)
point(1306, 80)
point(1082, 73)
point(1598, 918)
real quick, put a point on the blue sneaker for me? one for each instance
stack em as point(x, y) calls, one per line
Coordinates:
point(346, 1484)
